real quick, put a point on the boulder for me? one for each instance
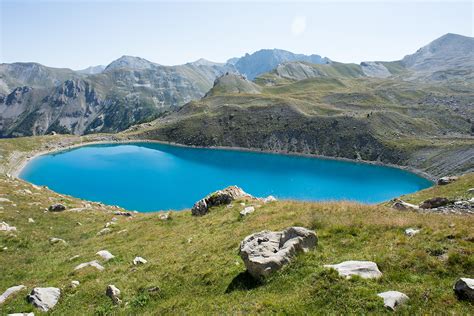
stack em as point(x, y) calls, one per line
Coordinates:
point(7, 228)
point(446, 180)
point(75, 284)
point(114, 293)
point(165, 216)
point(221, 197)
point(139, 260)
point(434, 203)
point(464, 289)
point(54, 240)
point(268, 199)
point(44, 298)
point(93, 263)
point(246, 211)
point(10, 291)
point(105, 254)
point(58, 207)
point(403, 206)
point(364, 269)
point(411, 231)
point(393, 299)
point(470, 191)
point(266, 251)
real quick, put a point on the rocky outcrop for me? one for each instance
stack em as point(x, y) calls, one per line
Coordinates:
point(217, 198)
point(393, 299)
point(434, 203)
point(364, 269)
point(57, 207)
point(266, 252)
point(464, 289)
point(446, 180)
point(10, 291)
point(44, 298)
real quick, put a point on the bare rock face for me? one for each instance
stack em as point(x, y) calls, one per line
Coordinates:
point(434, 202)
point(446, 180)
point(393, 299)
point(266, 252)
point(217, 198)
point(464, 289)
point(44, 298)
point(364, 269)
point(57, 208)
point(113, 292)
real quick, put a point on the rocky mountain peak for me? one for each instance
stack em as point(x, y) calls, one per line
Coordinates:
point(130, 62)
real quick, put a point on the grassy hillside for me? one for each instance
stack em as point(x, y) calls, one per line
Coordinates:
point(195, 264)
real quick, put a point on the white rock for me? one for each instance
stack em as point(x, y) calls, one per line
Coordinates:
point(242, 204)
point(10, 291)
point(108, 224)
point(139, 260)
point(165, 216)
point(364, 269)
point(104, 231)
point(246, 211)
point(74, 257)
point(30, 220)
point(74, 284)
point(22, 314)
point(106, 255)
point(393, 299)
point(44, 298)
point(54, 240)
point(411, 231)
point(7, 228)
point(464, 289)
point(113, 292)
point(266, 252)
point(5, 200)
point(93, 263)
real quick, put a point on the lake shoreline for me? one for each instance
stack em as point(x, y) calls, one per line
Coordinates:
point(23, 162)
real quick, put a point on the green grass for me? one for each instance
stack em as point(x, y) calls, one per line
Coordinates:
point(204, 276)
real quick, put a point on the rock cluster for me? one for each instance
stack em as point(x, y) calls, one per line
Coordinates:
point(221, 197)
point(266, 252)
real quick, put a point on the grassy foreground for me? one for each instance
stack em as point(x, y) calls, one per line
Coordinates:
point(195, 262)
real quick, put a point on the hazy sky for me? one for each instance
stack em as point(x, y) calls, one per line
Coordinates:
point(76, 34)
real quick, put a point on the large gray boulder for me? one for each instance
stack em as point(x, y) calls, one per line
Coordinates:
point(266, 252)
point(10, 291)
point(464, 289)
point(364, 269)
point(217, 198)
point(44, 298)
point(393, 299)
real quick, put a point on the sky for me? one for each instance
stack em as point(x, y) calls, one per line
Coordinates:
point(77, 34)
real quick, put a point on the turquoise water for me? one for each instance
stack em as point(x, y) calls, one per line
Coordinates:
point(150, 177)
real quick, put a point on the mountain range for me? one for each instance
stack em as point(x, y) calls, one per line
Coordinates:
point(35, 99)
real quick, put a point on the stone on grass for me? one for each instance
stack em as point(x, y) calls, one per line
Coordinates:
point(411, 231)
point(266, 252)
point(464, 289)
point(246, 211)
point(104, 231)
point(93, 263)
point(393, 299)
point(165, 216)
point(446, 180)
point(221, 197)
point(114, 293)
point(105, 254)
point(54, 240)
point(364, 269)
point(10, 291)
point(5, 200)
point(75, 284)
point(30, 220)
point(470, 191)
point(108, 224)
point(7, 228)
point(434, 202)
point(403, 206)
point(22, 314)
point(44, 298)
point(58, 207)
point(139, 260)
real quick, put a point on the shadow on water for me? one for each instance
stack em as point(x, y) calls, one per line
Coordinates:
point(243, 282)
